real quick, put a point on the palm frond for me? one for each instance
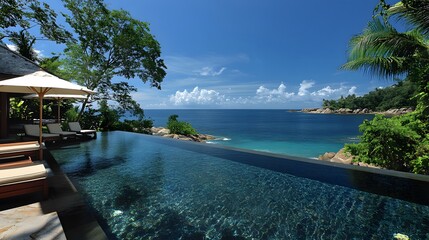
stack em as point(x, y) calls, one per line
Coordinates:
point(381, 40)
point(382, 50)
point(416, 12)
point(386, 67)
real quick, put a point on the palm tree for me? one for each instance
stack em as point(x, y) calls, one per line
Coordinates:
point(383, 51)
point(399, 143)
point(24, 43)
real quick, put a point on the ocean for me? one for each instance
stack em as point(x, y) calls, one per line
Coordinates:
point(274, 131)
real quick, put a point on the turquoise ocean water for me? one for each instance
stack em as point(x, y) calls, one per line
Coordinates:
point(276, 131)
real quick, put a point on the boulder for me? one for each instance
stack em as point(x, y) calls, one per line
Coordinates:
point(326, 156)
point(308, 110)
point(160, 131)
point(181, 137)
point(342, 157)
point(365, 111)
point(205, 137)
point(327, 111)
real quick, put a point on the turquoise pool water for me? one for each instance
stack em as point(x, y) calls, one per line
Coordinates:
point(140, 188)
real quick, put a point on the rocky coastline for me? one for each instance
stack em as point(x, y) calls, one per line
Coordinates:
point(390, 112)
point(342, 157)
point(165, 132)
point(337, 157)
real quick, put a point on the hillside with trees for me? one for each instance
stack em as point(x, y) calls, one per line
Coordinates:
point(400, 95)
point(401, 142)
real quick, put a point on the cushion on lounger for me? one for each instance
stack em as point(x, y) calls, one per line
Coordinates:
point(33, 146)
point(56, 128)
point(74, 126)
point(13, 175)
point(31, 130)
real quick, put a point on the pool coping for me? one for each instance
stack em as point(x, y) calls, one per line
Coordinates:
point(302, 159)
point(75, 216)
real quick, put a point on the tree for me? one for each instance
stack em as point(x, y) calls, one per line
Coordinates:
point(24, 44)
point(399, 95)
point(383, 51)
point(179, 127)
point(111, 43)
point(24, 14)
point(399, 142)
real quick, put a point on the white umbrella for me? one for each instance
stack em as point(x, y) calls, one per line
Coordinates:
point(42, 83)
point(59, 98)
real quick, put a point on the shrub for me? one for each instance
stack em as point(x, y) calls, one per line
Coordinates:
point(180, 127)
point(395, 143)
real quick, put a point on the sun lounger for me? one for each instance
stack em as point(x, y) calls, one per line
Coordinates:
point(33, 131)
point(19, 148)
point(75, 127)
point(15, 161)
point(56, 129)
point(20, 180)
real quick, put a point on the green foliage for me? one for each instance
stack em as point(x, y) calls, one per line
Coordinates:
point(23, 14)
point(173, 118)
point(54, 65)
point(24, 44)
point(180, 127)
point(71, 115)
point(400, 95)
point(19, 110)
point(107, 118)
point(383, 51)
point(90, 119)
point(139, 126)
point(111, 43)
point(27, 109)
point(397, 143)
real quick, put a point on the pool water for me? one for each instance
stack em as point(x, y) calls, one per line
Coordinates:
point(142, 189)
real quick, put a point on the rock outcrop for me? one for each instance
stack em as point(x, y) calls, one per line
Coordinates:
point(391, 112)
point(342, 157)
point(327, 156)
point(165, 132)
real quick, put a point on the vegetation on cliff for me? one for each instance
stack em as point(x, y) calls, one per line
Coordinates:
point(400, 95)
point(180, 127)
point(401, 142)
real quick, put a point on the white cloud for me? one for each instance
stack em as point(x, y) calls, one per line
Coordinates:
point(304, 86)
point(326, 91)
point(277, 94)
point(12, 47)
point(304, 94)
point(202, 66)
point(263, 96)
point(197, 96)
point(208, 71)
point(329, 92)
point(352, 90)
point(15, 49)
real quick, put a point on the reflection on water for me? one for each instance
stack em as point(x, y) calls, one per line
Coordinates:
point(144, 190)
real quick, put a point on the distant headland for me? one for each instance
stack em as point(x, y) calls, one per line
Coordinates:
point(390, 112)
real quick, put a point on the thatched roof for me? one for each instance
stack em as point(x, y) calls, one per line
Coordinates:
point(13, 64)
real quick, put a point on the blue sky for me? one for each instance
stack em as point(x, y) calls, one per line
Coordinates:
point(247, 53)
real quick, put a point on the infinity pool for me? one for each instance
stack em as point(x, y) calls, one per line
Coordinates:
point(144, 187)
